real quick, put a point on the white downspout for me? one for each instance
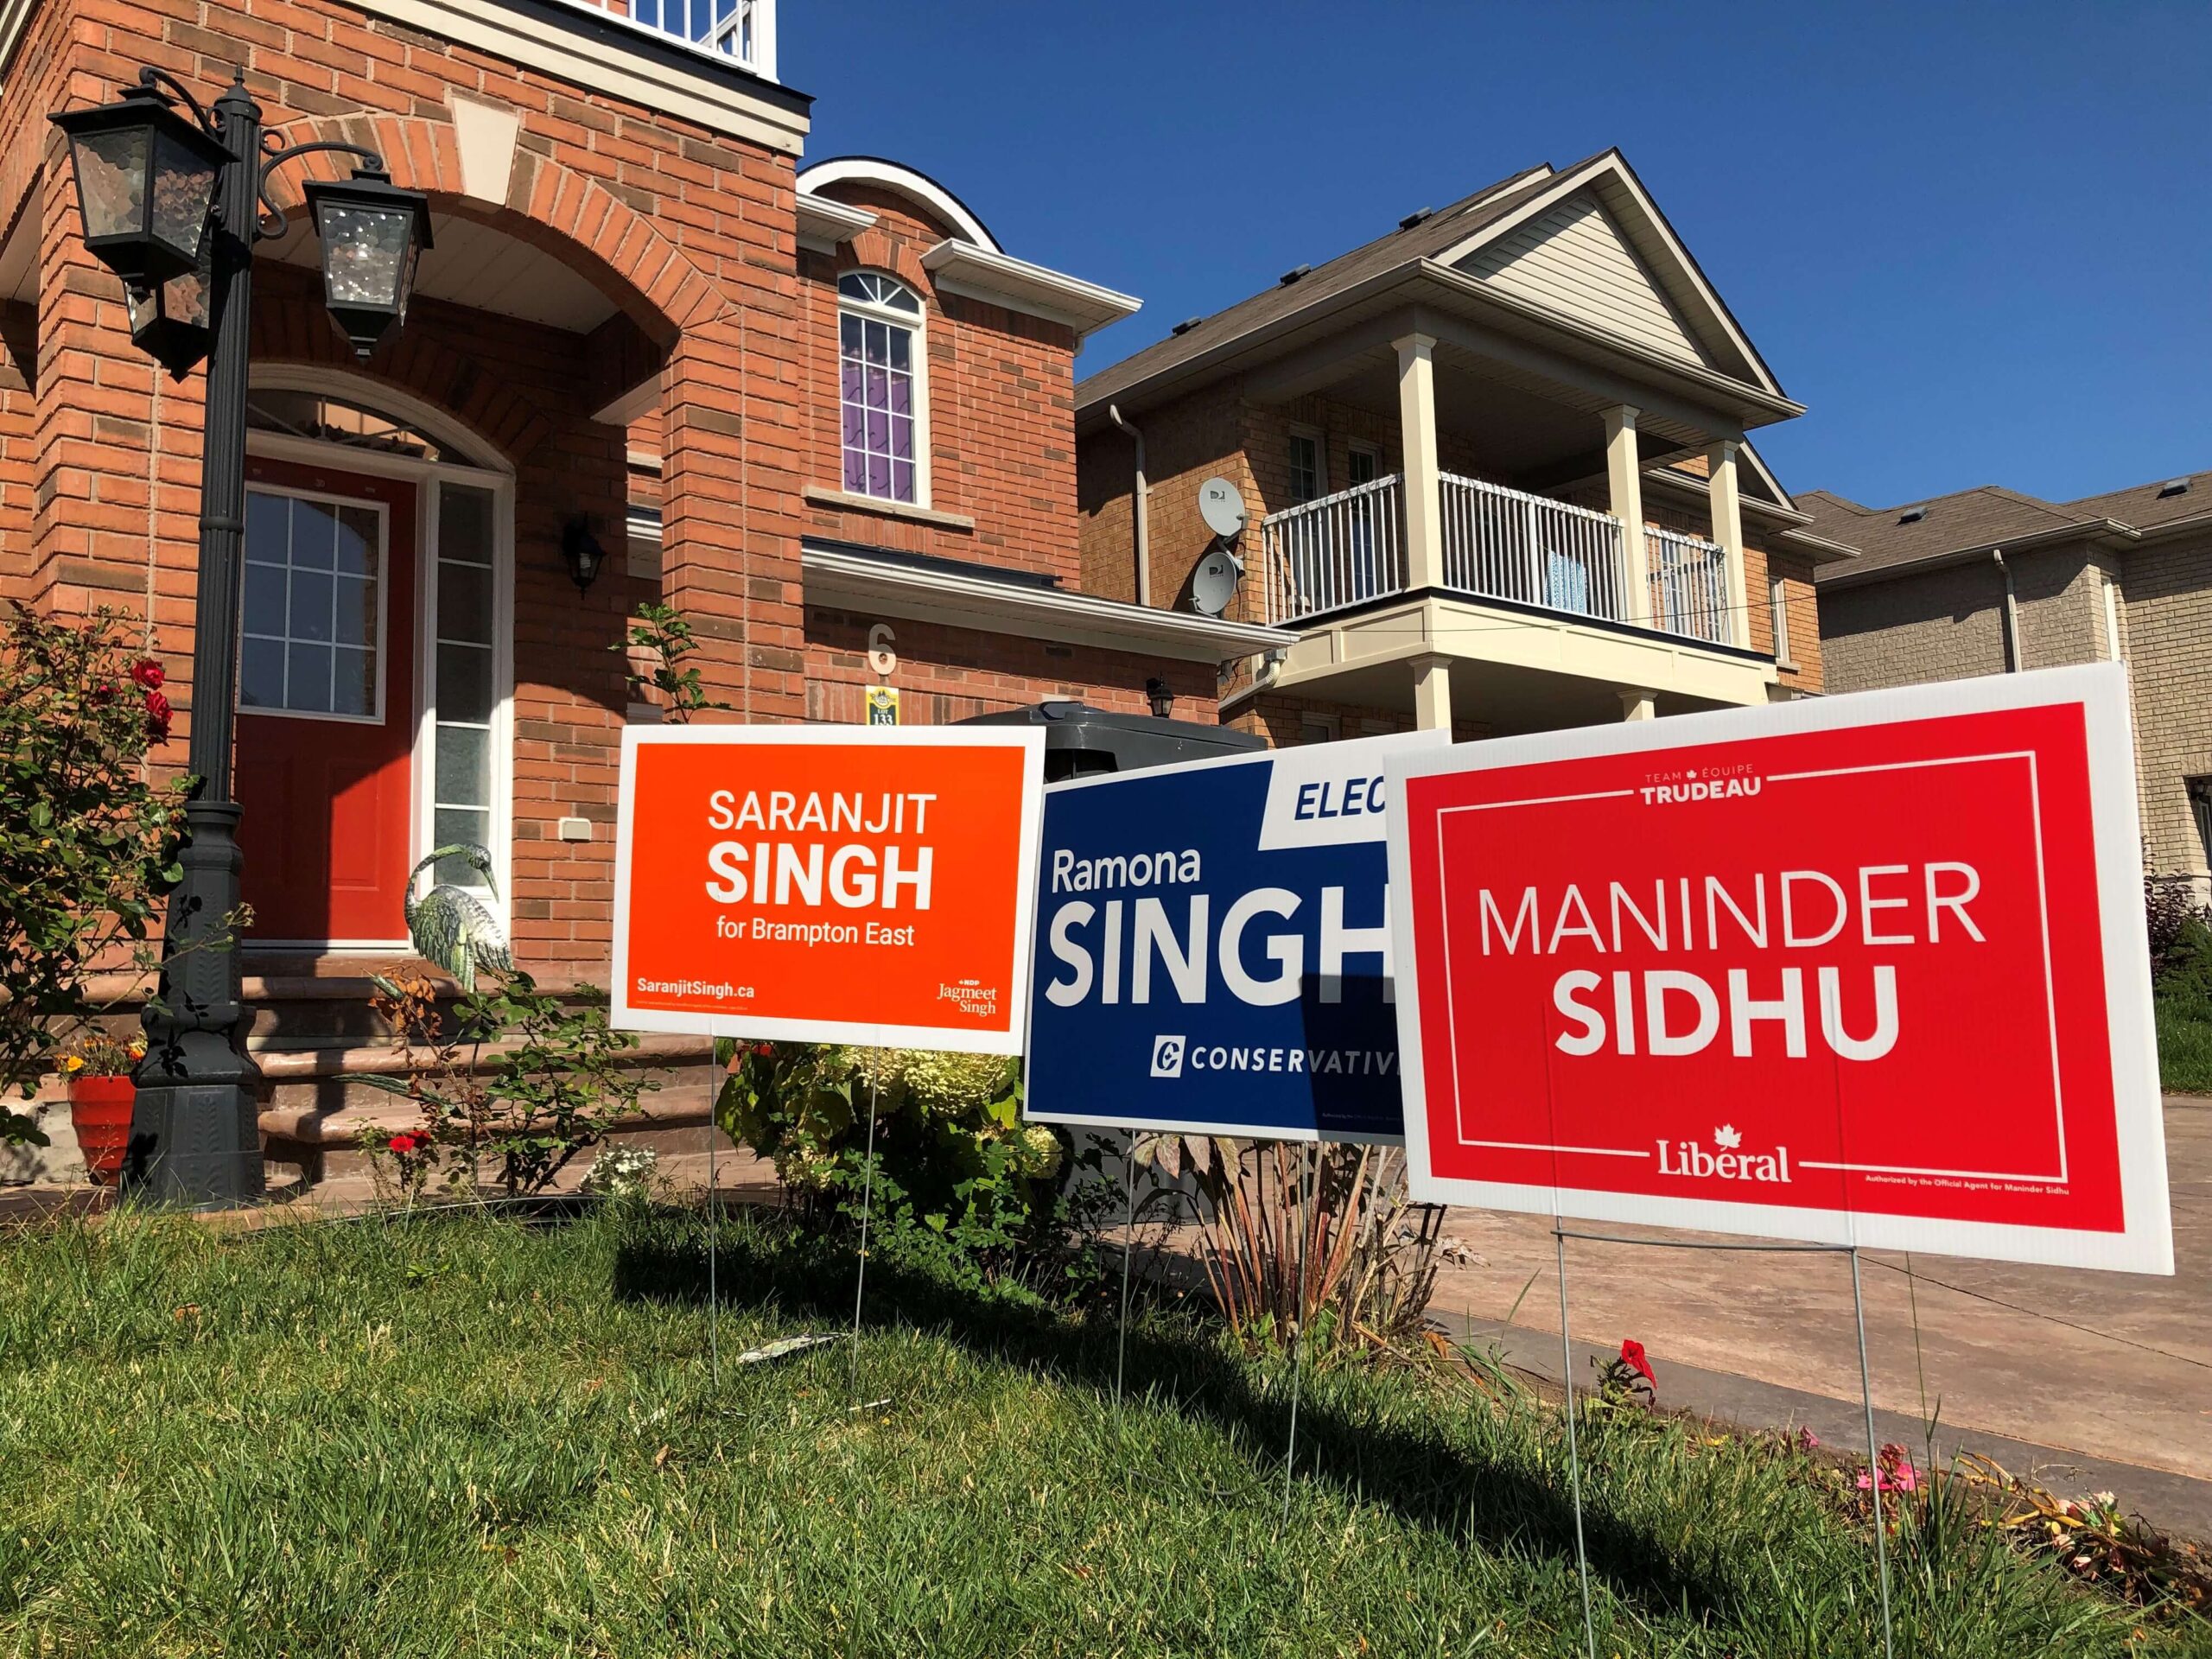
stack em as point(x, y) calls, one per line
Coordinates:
point(1142, 514)
point(2012, 663)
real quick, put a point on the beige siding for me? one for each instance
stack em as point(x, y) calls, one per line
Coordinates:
point(1572, 259)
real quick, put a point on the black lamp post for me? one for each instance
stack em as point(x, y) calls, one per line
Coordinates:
point(173, 205)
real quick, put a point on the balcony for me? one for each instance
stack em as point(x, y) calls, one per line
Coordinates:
point(1349, 549)
point(742, 31)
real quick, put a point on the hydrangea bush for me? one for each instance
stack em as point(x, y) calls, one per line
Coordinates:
point(958, 1177)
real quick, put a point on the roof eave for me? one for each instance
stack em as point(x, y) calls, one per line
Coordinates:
point(955, 600)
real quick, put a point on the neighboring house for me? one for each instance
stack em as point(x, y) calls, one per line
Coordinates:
point(821, 412)
point(1988, 580)
point(1494, 469)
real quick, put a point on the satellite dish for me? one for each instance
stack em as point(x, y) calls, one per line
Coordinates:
point(1220, 504)
point(1213, 584)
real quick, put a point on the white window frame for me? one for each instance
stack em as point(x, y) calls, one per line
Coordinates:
point(1319, 440)
point(916, 322)
point(1777, 598)
point(426, 476)
point(1362, 446)
point(383, 511)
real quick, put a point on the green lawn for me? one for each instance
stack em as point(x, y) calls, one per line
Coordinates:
point(2184, 1048)
point(465, 1437)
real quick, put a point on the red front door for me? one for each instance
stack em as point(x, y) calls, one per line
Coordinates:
point(326, 703)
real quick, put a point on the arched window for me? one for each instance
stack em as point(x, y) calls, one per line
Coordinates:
point(882, 395)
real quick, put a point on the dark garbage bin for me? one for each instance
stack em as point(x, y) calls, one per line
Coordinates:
point(1080, 740)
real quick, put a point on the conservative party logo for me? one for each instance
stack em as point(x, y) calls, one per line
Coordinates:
point(1168, 1057)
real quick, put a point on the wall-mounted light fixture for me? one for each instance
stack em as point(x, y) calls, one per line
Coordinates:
point(581, 551)
point(1162, 699)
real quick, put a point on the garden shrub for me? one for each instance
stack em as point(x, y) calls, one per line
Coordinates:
point(87, 845)
point(2180, 932)
point(960, 1182)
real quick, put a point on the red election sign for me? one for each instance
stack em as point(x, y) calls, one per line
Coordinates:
point(1863, 970)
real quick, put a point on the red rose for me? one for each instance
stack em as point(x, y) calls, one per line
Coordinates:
point(157, 716)
point(1632, 1356)
point(765, 1051)
point(401, 1143)
point(147, 674)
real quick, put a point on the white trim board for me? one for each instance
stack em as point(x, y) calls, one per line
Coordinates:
point(855, 582)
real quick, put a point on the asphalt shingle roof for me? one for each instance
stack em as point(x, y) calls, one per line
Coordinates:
point(1441, 230)
point(2145, 508)
point(1949, 524)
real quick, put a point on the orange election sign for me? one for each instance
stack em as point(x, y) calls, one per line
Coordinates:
point(827, 883)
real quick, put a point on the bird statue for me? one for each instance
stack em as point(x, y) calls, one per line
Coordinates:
point(450, 926)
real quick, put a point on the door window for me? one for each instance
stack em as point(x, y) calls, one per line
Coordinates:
point(313, 627)
point(460, 770)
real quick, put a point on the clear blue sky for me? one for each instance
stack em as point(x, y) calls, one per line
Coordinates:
point(1976, 241)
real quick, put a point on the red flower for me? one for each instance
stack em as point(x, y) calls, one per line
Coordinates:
point(764, 1051)
point(404, 1144)
point(157, 716)
point(1632, 1356)
point(147, 675)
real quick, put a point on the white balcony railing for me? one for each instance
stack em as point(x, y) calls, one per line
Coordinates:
point(1498, 544)
point(1338, 550)
point(1688, 579)
point(1506, 544)
point(742, 30)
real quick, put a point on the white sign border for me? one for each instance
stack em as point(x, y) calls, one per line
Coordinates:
point(2102, 690)
point(946, 1039)
point(1382, 744)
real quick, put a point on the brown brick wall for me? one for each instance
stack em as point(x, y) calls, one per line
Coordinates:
point(1186, 443)
point(1000, 431)
point(946, 674)
point(691, 235)
point(2165, 630)
point(1947, 623)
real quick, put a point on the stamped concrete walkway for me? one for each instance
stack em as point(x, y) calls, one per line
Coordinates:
point(2115, 1367)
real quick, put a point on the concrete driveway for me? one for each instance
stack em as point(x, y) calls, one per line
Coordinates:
point(2115, 1367)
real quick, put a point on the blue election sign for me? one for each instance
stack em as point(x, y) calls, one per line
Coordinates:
point(1213, 946)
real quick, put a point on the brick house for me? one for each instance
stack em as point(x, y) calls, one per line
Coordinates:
point(820, 410)
point(1494, 471)
point(1987, 581)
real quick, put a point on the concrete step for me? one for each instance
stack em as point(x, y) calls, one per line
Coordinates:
point(317, 1107)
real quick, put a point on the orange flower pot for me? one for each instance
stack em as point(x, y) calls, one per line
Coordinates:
point(99, 1110)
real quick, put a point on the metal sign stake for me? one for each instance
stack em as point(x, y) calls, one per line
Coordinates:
point(867, 1188)
point(1573, 1446)
point(713, 1231)
point(1873, 1457)
point(1297, 1330)
point(1128, 1245)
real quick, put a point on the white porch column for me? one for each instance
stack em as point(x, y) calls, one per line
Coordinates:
point(1638, 704)
point(1624, 479)
point(1433, 693)
point(1417, 439)
point(1728, 531)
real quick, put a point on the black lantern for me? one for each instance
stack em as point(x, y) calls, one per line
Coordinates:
point(172, 322)
point(582, 552)
point(145, 182)
point(1162, 699)
point(372, 234)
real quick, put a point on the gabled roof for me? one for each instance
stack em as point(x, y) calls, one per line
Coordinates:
point(1460, 236)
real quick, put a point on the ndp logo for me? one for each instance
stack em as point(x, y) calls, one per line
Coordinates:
point(1168, 1057)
